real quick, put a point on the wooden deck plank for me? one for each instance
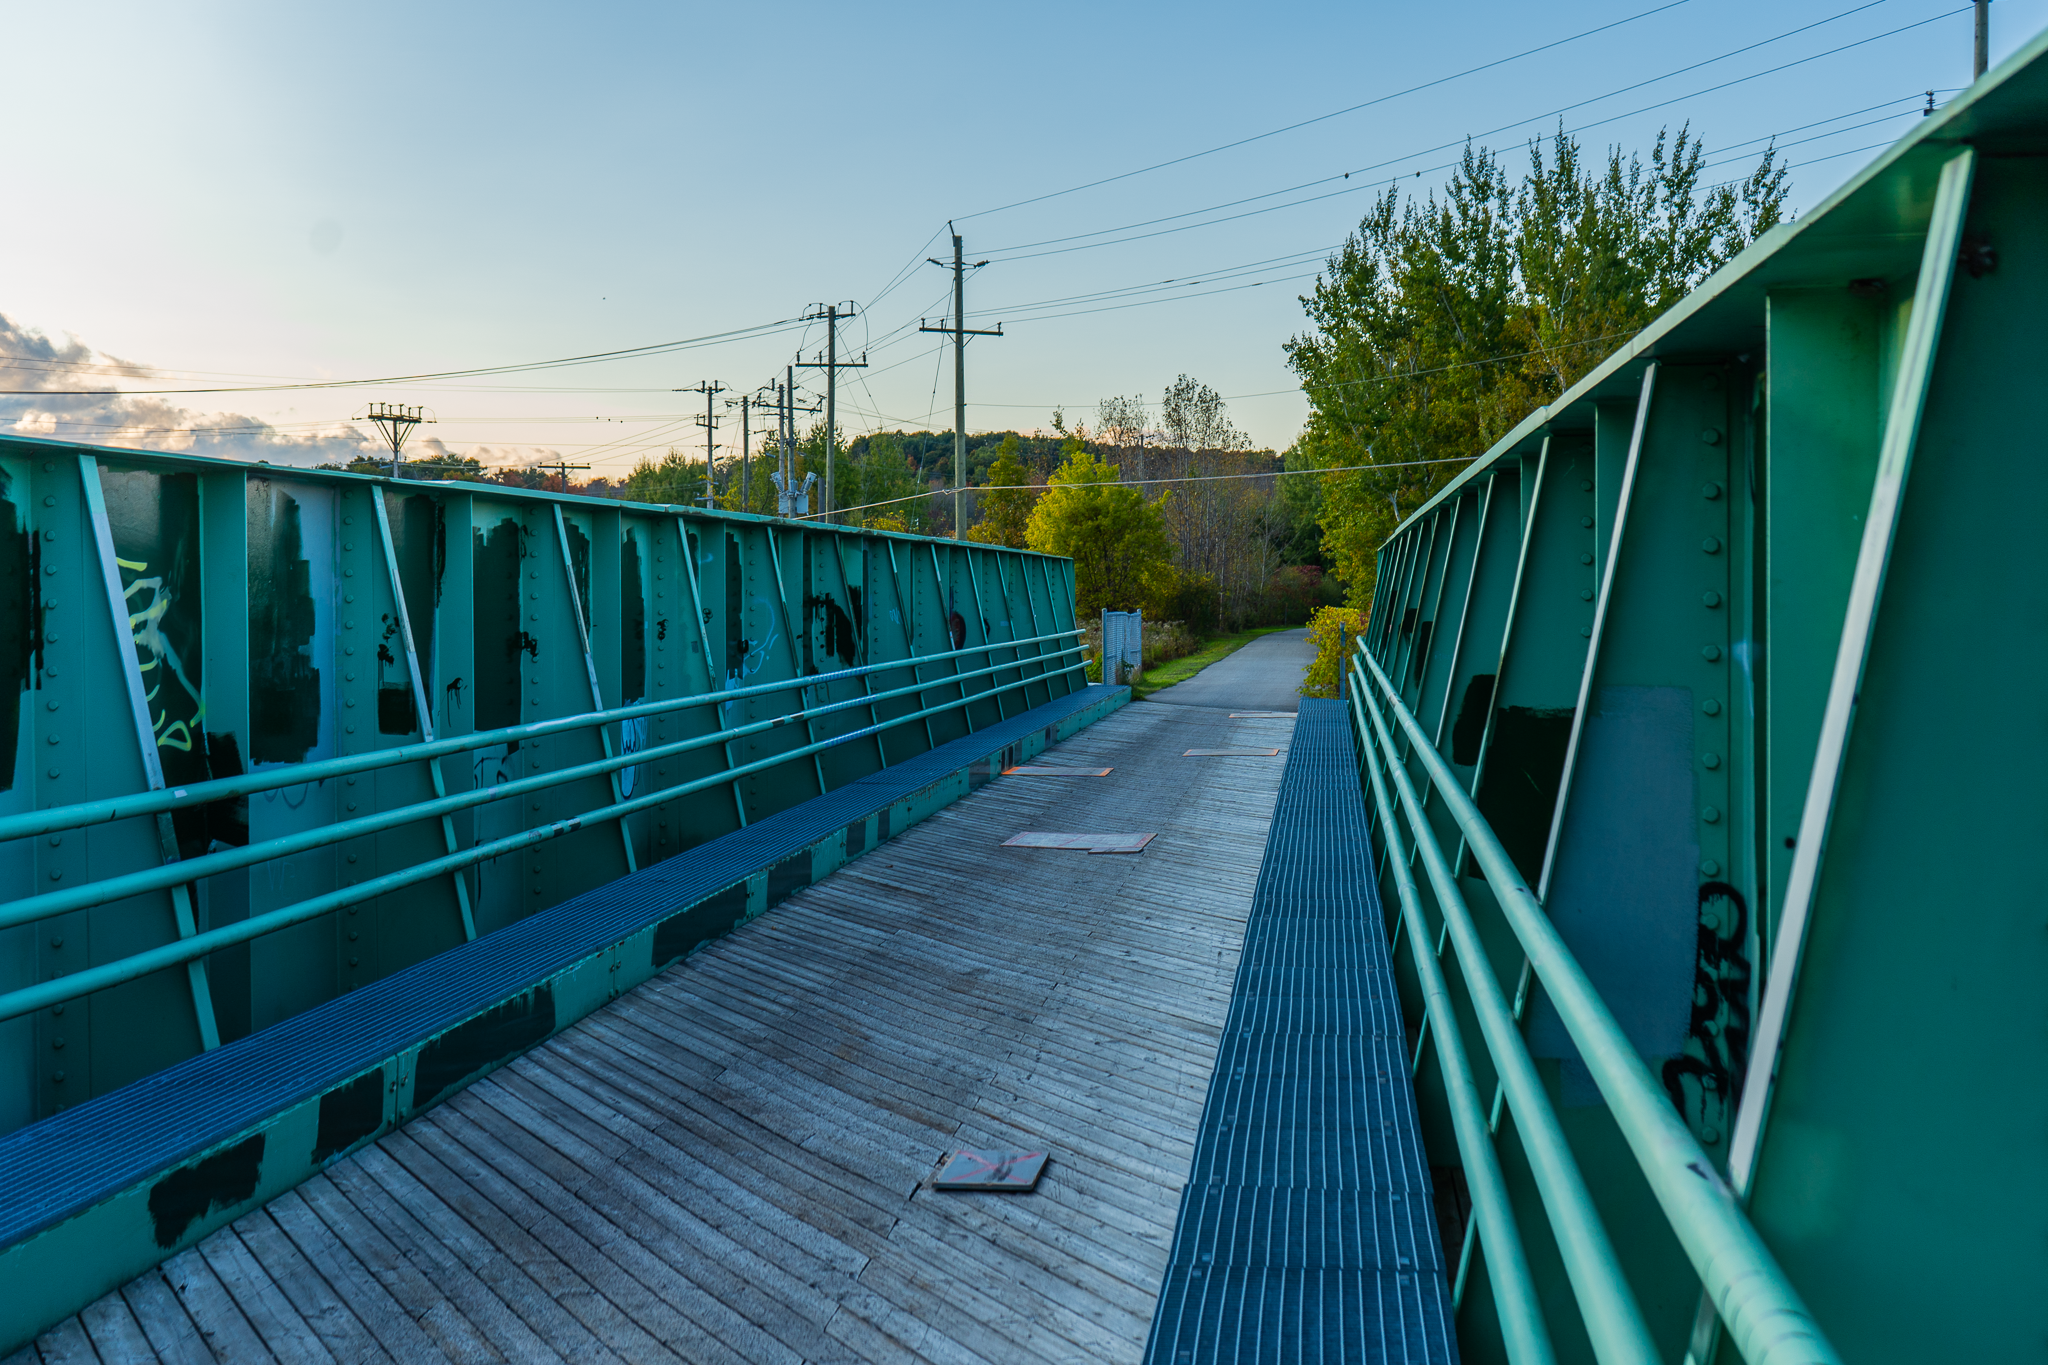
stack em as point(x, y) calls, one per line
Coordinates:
point(202, 1296)
point(730, 1163)
point(277, 1320)
point(115, 1334)
point(429, 1266)
point(408, 1314)
point(67, 1344)
point(561, 1262)
point(462, 1257)
point(172, 1333)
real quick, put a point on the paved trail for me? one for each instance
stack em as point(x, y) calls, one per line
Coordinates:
point(1262, 676)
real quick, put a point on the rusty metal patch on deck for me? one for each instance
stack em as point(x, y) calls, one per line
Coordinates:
point(1087, 843)
point(1230, 753)
point(1003, 1172)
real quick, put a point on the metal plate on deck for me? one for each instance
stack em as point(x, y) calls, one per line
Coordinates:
point(1003, 1172)
point(1230, 753)
point(1086, 843)
point(1263, 715)
point(1040, 770)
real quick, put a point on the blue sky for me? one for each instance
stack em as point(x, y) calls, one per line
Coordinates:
point(227, 192)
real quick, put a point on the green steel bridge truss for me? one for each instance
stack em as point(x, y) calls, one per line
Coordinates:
point(268, 735)
point(1708, 816)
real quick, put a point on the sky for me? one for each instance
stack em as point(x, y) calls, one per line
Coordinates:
point(226, 196)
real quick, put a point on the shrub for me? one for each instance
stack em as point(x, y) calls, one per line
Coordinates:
point(1334, 632)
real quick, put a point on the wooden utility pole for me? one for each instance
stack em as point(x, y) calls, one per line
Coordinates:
point(830, 313)
point(959, 332)
point(709, 421)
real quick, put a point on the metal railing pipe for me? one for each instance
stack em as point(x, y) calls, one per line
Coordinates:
point(29, 999)
point(90, 894)
point(1608, 1306)
point(1514, 1293)
point(1764, 1313)
point(28, 824)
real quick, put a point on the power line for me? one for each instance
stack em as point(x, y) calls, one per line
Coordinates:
point(1026, 255)
point(594, 358)
point(1191, 478)
point(1323, 118)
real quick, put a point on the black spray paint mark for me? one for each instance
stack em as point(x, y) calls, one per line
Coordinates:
point(788, 877)
point(1421, 649)
point(217, 824)
point(418, 542)
point(579, 565)
point(1717, 1042)
point(349, 1113)
point(1470, 727)
point(840, 637)
point(1524, 766)
point(222, 1181)
point(396, 713)
point(675, 936)
point(19, 590)
point(154, 521)
point(633, 623)
point(284, 687)
point(956, 626)
point(499, 640)
point(495, 1036)
point(736, 644)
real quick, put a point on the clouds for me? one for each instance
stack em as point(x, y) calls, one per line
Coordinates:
point(43, 377)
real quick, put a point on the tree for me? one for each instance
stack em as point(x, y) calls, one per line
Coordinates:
point(877, 481)
point(678, 478)
point(1006, 506)
point(1192, 416)
point(1440, 323)
point(1116, 538)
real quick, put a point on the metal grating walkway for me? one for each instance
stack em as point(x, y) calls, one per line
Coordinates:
point(1306, 1230)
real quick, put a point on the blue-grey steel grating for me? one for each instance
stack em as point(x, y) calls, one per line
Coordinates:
point(71, 1160)
point(1307, 1230)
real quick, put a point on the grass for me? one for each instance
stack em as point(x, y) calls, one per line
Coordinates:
point(1180, 670)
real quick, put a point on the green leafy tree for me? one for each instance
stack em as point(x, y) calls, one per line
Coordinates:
point(1440, 323)
point(676, 478)
point(1117, 540)
point(877, 481)
point(1006, 505)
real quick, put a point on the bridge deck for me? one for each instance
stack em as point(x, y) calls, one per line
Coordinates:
point(731, 1162)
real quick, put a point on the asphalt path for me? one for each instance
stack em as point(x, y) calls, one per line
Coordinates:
point(1263, 676)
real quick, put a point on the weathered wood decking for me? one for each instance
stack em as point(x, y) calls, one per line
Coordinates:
point(729, 1164)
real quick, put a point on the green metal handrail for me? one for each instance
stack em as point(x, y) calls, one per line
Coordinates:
point(1514, 1293)
point(53, 903)
point(1763, 1312)
point(55, 992)
point(1614, 1321)
point(79, 814)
